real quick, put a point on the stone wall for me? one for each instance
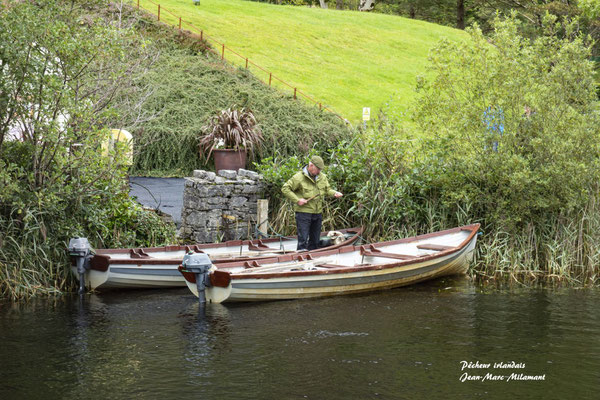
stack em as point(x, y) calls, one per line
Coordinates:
point(219, 207)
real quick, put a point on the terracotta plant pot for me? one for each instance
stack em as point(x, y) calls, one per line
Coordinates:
point(229, 159)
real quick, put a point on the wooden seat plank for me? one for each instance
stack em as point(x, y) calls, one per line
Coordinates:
point(436, 247)
point(371, 253)
point(328, 265)
point(335, 266)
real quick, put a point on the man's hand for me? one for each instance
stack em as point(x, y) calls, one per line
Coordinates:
point(338, 195)
point(302, 202)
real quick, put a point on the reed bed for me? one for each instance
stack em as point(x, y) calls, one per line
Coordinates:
point(30, 262)
point(558, 254)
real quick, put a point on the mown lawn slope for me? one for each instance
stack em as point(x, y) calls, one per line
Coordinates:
point(184, 87)
point(345, 59)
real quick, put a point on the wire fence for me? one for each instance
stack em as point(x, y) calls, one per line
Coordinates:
point(222, 48)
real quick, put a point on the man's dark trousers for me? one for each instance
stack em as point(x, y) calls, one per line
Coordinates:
point(309, 230)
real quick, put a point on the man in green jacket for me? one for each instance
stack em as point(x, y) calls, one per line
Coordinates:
point(307, 189)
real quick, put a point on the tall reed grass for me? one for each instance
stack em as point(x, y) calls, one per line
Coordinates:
point(566, 251)
point(30, 262)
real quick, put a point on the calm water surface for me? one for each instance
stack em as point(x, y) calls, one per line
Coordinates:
point(407, 343)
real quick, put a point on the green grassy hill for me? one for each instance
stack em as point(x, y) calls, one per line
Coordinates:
point(345, 59)
point(182, 87)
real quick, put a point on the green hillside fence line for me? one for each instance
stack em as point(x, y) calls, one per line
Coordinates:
point(247, 61)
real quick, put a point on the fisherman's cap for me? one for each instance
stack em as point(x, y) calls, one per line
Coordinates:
point(317, 162)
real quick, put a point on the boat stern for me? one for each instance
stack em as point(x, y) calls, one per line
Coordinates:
point(204, 280)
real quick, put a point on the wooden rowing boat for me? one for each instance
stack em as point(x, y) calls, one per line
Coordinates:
point(348, 269)
point(157, 267)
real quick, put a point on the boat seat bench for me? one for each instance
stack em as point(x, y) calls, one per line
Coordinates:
point(431, 246)
point(337, 266)
point(371, 251)
point(382, 254)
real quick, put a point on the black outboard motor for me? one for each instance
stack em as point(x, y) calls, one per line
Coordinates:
point(199, 264)
point(80, 249)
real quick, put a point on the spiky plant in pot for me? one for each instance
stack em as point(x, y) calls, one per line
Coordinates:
point(230, 135)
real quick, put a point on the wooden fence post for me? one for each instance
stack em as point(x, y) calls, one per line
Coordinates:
point(262, 216)
point(179, 24)
point(270, 76)
point(223, 53)
point(294, 93)
point(246, 63)
point(159, 12)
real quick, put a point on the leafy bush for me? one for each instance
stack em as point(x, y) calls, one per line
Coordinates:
point(60, 70)
point(386, 188)
point(541, 159)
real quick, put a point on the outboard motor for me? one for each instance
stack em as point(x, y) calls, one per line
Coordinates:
point(80, 249)
point(199, 264)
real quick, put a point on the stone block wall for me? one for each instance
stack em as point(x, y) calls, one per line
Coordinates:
point(219, 207)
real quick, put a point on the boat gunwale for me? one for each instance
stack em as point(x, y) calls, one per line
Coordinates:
point(103, 260)
point(351, 248)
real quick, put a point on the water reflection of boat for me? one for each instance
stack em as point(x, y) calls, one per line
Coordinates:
point(157, 267)
point(348, 269)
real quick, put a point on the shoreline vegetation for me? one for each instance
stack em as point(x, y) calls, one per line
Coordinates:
point(504, 132)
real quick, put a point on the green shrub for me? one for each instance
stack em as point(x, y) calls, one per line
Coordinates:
point(543, 93)
point(60, 70)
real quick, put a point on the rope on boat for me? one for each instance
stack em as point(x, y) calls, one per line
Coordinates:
point(260, 235)
point(361, 240)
